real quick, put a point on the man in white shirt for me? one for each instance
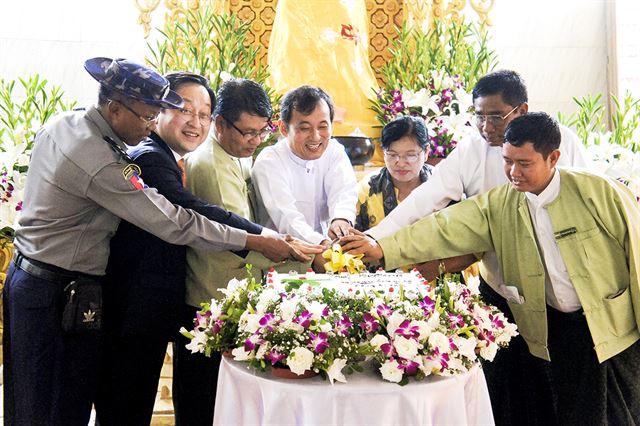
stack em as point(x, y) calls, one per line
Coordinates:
point(475, 167)
point(305, 185)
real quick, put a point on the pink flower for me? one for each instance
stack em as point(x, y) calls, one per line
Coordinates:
point(440, 358)
point(202, 319)
point(405, 329)
point(496, 321)
point(319, 342)
point(274, 356)
point(343, 326)
point(217, 325)
point(268, 321)
point(384, 311)
point(486, 335)
point(410, 367)
point(428, 305)
point(251, 342)
point(304, 319)
point(387, 349)
point(456, 321)
point(369, 324)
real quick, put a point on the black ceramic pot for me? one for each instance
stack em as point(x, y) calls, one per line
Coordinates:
point(359, 148)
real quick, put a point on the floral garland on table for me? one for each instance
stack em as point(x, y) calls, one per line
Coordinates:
point(419, 332)
point(442, 101)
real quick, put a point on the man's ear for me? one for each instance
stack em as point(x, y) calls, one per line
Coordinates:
point(284, 131)
point(218, 124)
point(554, 156)
point(523, 108)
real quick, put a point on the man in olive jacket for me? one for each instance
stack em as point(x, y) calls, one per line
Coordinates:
point(567, 242)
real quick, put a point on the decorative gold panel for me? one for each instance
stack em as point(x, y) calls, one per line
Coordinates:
point(384, 16)
point(261, 14)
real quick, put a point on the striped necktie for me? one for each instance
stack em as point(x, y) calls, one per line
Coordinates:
point(183, 172)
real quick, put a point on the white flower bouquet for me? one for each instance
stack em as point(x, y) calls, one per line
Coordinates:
point(306, 327)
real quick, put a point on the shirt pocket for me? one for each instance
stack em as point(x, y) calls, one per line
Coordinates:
point(618, 310)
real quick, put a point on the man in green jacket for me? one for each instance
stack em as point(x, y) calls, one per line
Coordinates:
point(568, 245)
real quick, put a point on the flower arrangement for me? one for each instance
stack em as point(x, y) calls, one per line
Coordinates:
point(428, 75)
point(304, 326)
point(616, 161)
point(615, 153)
point(440, 330)
point(18, 124)
point(442, 102)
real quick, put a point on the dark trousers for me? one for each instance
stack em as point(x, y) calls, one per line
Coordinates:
point(195, 379)
point(129, 379)
point(589, 392)
point(50, 377)
point(519, 384)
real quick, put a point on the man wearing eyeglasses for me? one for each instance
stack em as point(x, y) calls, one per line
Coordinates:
point(81, 183)
point(145, 279)
point(474, 167)
point(305, 184)
point(218, 172)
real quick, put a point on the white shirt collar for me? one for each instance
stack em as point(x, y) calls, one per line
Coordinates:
point(549, 194)
point(306, 164)
point(176, 156)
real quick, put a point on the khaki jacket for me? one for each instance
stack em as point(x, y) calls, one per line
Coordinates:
point(597, 225)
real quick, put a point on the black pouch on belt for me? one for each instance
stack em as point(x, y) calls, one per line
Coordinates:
point(83, 310)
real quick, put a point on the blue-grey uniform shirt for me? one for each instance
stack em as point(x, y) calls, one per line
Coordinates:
point(77, 190)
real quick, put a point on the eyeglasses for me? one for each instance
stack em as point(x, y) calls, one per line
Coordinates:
point(394, 158)
point(145, 119)
point(252, 134)
point(493, 119)
point(187, 115)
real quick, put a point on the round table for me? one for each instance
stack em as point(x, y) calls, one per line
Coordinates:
point(249, 397)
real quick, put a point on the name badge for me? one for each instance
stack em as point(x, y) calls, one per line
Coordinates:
point(565, 233)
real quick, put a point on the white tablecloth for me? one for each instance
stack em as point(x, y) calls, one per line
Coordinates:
point(248, 397)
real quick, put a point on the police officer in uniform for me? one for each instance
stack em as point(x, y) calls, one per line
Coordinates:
point(80, 183)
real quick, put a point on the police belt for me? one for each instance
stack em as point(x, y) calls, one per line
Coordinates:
point(44, 270)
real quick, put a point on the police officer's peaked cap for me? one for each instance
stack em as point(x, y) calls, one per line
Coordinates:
point(134, 81)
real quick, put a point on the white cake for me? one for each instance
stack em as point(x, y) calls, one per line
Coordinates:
point(345, 282)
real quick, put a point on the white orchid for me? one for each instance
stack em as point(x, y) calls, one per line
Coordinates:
point(334, 372)
point(423, 99)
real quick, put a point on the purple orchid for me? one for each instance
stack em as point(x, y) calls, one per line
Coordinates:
point(304, 319)
point(384, 311)
point(369, 323)
point(343, 326)
point(268, 321)
point(319, 342)
point(251, 342)
point(388, 349)
point(487, 336)
point(405, 329)
point(496, 321)
point(217, 326)
point(427, 305)
point(441, 358)
point(410, 367)
point(456, 321)
point(202, 320)
point(274, 356)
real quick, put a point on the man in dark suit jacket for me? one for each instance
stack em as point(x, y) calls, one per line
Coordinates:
point(144, 290)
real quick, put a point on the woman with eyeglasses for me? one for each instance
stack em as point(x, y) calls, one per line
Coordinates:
point(405, 142)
